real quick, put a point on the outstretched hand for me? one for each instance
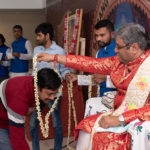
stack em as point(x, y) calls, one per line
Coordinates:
point(45, 57)
point(98, 78)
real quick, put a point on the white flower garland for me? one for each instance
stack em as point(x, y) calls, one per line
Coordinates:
point(70, 98)
point(44, 127)
point(90, 88)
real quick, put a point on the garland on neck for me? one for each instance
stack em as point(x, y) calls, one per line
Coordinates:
point(44, 127)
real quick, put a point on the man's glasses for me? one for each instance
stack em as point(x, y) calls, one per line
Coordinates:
point(120, 47)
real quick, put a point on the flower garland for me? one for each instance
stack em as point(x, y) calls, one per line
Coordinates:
point(70, 98)
point(90, 87)
point(44, 127)
point(75, 31)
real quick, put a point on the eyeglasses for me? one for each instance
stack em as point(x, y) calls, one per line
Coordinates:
point(16, 31)
point(120, 47)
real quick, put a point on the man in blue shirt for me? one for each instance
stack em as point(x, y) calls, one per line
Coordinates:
point(44, 38)
point(104, 35)
point(3, 63)
point(20, 54)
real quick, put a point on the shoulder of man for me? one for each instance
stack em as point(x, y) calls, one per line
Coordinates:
point(59, 48)
point(38, 48)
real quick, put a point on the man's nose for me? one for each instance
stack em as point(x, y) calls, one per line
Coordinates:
point(98, 38)
point(52, 97)
point(37, 38)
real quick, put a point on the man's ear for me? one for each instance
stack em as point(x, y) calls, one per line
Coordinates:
point(135, 48)
point(112, 35)
point(38, 89)
point(47, 36)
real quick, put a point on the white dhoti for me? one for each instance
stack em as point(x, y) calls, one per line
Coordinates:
point(82, 143)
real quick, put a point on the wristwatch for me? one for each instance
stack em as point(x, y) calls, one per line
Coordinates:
point(121, 119)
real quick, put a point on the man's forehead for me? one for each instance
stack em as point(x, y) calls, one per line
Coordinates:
point(50, 91)
point(39, 33)
point(101, 30)
point(17, 29)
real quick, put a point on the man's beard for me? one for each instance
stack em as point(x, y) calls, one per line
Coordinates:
point(43, 42)
point(104, 44)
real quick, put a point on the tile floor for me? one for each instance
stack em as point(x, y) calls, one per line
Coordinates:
point(49, 144)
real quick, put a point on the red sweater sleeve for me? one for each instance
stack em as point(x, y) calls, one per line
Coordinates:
point(92, 65)
point(142, 114)
point(17, 138)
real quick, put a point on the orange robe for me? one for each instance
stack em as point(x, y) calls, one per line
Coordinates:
point(121, 75)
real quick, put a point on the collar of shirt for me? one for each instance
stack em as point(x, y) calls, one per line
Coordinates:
point(53, 46)
point(53, 49)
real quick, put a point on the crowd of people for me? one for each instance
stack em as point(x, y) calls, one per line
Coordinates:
point(121, 61)
point(14, 67)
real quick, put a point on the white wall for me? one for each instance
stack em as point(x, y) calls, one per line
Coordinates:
point(22, 4)
point(28, 19)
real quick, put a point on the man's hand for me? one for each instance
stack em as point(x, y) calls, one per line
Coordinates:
point(30, 111)
point(98, 78)
point(16, 54)
point(109, 121)
point(71, 77)
point(6, 58)
point(45, 57)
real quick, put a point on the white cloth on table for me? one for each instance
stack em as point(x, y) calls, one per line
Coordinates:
point(94, 106)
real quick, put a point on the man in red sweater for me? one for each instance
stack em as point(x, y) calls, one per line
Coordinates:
point(18, 100)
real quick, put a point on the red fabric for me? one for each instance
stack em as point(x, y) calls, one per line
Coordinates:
point(111, 141)
point(20, 94)
point(17, 138)
point(142, 114)
point(3, 117)
point(102, 140)
point(79, 105)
